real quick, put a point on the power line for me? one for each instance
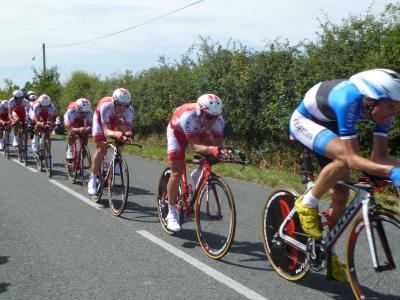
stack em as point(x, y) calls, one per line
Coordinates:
point(126, 29)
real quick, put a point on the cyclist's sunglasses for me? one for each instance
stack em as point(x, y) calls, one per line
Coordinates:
point(121, 104)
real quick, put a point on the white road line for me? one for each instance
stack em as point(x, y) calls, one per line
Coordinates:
point(236, 286)
point(77, 195)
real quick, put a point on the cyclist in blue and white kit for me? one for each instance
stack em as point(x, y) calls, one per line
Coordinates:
point(325, 123)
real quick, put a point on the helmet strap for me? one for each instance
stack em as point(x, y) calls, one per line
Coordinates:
point(369, 105)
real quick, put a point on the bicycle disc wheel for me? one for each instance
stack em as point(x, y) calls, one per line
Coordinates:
point(288, 261)
point(215, 217)
point(365, 282)
point(70, 164)
point(118, 186)
point(85, 164)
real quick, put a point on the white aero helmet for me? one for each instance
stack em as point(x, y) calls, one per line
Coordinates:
point(44, 100)
point(121, 96)
point(379, 84)
point(32, 97)
point(18, 93)
point(29, 93)
point(4, 102)
point(210, 103)
point(83, 105)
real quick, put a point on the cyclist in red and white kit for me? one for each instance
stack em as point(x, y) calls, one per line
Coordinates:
point(42, 113)
point(4, 119)
point(200, 124)
point(18, 108)
point(113, 118)
point(78, 119)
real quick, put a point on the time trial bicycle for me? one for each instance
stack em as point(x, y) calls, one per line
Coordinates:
point(80, 164)
point(43, 156)
point(373, 244)
point(114, 176)
point(211, 200)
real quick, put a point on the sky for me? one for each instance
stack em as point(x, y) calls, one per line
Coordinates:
point(25, 25)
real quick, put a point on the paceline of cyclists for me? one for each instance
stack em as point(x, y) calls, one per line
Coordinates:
point(324, 122)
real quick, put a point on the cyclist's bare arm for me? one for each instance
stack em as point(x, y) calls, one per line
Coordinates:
point(199, 147)
point(380, 152)
point(356, 162)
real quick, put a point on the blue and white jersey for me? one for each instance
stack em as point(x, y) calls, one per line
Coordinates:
point(337, 101)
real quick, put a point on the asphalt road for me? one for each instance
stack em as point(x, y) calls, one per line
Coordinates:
point(55, 244)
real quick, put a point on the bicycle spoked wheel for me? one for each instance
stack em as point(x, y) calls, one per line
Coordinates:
point(287, 260)
point(215, 217)
point(25, 153)
point(162, 200)
point(118, 186)
point(47, 158)
point(85, 166)
point(20, 146)
point(364, 280)
point(6, 144)
point(70, 165)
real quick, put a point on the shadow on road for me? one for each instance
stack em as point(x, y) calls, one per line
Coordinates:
point(3, 285)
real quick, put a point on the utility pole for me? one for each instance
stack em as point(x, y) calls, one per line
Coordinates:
point(44, 59)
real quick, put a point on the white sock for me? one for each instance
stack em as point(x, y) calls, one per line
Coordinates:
point(171, 208)
point(309, 200)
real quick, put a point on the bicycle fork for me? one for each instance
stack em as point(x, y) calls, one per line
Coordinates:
point(371, 240)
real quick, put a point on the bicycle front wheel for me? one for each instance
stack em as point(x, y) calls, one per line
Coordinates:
point(47, 158)
point(118, 186)
point(365, 281)
point(288, 261)
point(70, 164)
point(85, 164)
point(215, 217)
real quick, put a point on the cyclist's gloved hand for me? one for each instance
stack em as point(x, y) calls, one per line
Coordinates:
point(120, 136)
point(129, 135)
point(394, 175)
point(215, 151)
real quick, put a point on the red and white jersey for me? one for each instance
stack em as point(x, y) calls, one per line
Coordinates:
point(37, 111)
point(186, 121)
point(106, 114)
point(73, 118)
point(3, 112)
point(21, 109)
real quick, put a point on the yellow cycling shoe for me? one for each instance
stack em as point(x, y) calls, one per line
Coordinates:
point(337, 269)
point(309, 219)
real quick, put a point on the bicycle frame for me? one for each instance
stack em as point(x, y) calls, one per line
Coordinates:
point(364, 199)
point(187, 188)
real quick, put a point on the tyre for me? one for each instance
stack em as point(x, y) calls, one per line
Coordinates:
point(215, 217)
point(288, 261)
point(20, 145)
point(162, 200)
point(85, 166)
point(365, 281)
point(70, 164)
point(118, 186)
point(47, 158)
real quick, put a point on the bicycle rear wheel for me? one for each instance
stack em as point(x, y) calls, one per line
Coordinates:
point(85, 164)
point(118, 186)
point(365, 281)
point(162, 200)
point(288, 261)
point(215, 217)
